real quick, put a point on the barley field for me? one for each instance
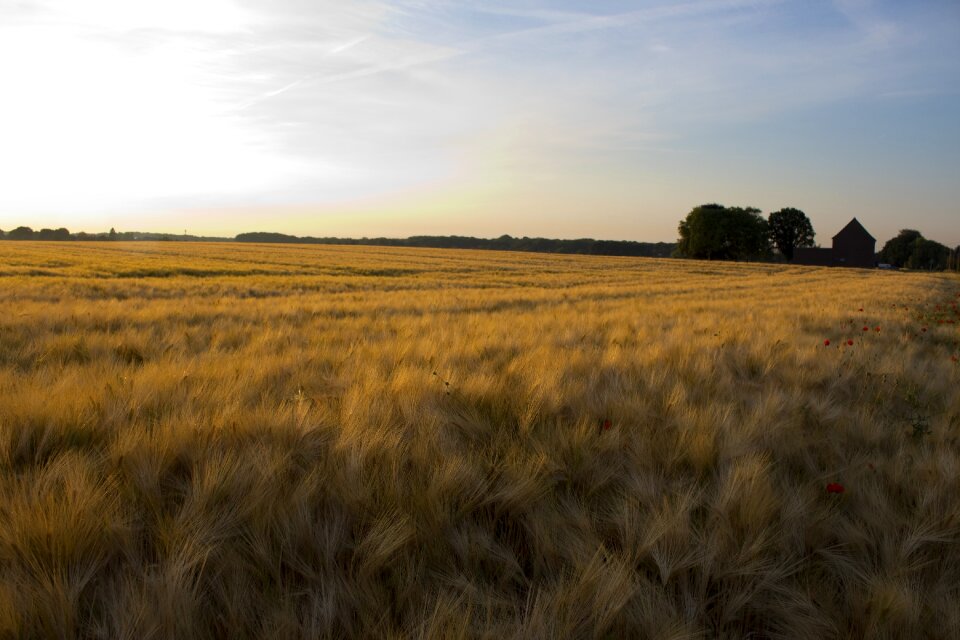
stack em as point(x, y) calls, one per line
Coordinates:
point(250, 441)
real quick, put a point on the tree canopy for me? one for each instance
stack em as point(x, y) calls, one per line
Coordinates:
point(953, 260)
point(53, 234)
point(790, 228)
point(21, 233)
point(716, 232)
point(911, 250)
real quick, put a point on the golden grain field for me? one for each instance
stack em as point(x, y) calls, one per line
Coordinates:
point(243, 441)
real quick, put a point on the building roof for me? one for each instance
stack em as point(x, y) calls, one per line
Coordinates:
point(854, 228)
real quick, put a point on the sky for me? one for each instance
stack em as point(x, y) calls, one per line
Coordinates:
point(605, 119)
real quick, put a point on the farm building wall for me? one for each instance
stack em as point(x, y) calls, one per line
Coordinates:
point(814, 257)
point(853, 246)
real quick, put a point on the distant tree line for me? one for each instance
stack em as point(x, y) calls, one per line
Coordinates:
point(585, 246)
point(716, 232)
point(63, 234)
point(710, 231)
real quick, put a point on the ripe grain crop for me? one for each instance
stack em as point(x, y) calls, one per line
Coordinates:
point(230, 440)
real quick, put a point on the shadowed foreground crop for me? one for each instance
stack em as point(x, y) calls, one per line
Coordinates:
point(243, 441)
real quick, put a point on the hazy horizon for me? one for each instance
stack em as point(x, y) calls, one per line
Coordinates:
point(432, 117)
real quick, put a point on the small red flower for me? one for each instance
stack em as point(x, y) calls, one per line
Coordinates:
point(866, 328)
point(835, 487)
point(826, 343)
point(924, 330)
point(606, 425)
point(954, 359)
point(860, 309)
point(876, 328)
point(850, 343)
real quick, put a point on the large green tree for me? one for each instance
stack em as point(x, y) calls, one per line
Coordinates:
point(715, 232)
point(911, 250)
point(897, 250)
point(790, 228)
point(928, 255)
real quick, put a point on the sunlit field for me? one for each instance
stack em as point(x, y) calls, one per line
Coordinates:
point(202, 441)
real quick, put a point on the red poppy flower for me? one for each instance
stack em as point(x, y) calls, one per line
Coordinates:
point(866, 328)
point(954, 358)
point(606, 425)
point(860, 309)
point(835, 487)
point(924, 330)
point(850, 343)
point(826, 343)
point(876, 328)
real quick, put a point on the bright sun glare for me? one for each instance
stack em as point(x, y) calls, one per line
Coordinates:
point(94, 122)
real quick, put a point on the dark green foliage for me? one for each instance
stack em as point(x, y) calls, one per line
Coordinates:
point(897, 250)
point(790, 228)
point(928, 255)
point(21, 233)
point(953, 260)
point(53, 234)
point(715, 232)
point(911, 250)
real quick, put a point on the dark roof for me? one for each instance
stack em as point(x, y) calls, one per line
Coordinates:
point(854, 228)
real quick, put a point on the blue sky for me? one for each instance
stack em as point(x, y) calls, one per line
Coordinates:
point(562, 119)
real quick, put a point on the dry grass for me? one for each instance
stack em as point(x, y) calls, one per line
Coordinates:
point(238, 441)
